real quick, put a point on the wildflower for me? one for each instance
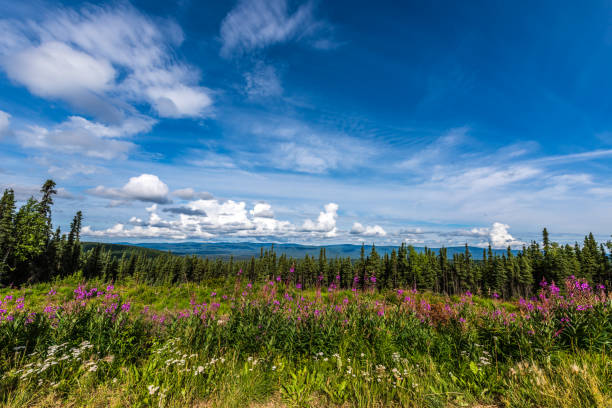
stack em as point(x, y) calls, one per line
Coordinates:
point(278, 278)
point(125, 307)
point(51, 292)
point(152, 389)
point(109, 288)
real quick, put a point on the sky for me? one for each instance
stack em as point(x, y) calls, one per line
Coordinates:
point(433, 123)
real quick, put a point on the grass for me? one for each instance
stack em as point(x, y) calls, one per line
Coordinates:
point(225, 344)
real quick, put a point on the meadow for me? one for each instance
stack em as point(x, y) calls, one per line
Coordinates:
point(231, 343)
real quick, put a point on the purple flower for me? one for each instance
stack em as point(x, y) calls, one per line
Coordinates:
point(292, 270)
point(213, 294)
point(51, 292)
point(298, 286)
point(125, 307)
point(110, 288)
point(373, 279)
point(278, 278)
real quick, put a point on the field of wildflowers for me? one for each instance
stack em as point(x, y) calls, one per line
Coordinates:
point(234, 343)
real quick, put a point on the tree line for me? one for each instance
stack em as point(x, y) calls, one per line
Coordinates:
point(31, 251)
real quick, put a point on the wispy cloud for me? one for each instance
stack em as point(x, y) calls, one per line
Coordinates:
point(4, 123)
point(256, 24)
point(262, 82)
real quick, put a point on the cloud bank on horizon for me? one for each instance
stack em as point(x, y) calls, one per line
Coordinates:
point(310, 122)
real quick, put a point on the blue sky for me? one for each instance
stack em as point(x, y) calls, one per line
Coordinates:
point(436, 123)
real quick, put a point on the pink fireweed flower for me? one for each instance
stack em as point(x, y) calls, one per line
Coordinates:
point(373, 279)
point(125, 307)
point(109, 288)
point(278, 278)
point(8, 298)
point(292, 270)
point(345, 301)
point(19, 306)
point(240, 272)
point(51, 292)
point(298, 286)
point(213, 294)
point(249, 285)
point(495, 295)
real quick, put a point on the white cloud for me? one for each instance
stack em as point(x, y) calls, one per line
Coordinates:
point(212, 218)
point(326, 222)
point(146, 187)
point(296, 146)
point(64, 172)
point(368, 231)
point(262, 210)
point(179, 100)
point(106, 62)
point(54, 69)
point(500, 237)
point(497, 236)
point(256, 24)
point(79, 135)
point(4, 122)
point(262, 82)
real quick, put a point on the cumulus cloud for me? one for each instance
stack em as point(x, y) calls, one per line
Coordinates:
point(204, 219)
point(367, 231)
point(326, 222)
point(262, 210)
point(4, 123)
point(146, 187)
point(497, 235)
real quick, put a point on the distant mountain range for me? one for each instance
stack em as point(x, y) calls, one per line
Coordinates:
point(243, 250)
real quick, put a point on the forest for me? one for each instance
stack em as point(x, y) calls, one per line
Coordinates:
point(32, 251)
